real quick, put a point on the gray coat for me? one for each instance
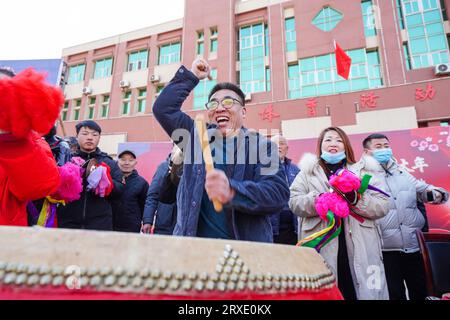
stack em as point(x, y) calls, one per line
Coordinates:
point(404, 218)
point(363, 239)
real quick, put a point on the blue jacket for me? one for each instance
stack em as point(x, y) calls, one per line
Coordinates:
point(166, 214)
point(258, 194)
point(291, 172)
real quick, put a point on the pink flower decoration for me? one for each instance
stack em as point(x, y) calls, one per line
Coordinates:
point(78, 161)
point(331, 202)
point(424, 144)
point(414, 143)
point(434, 148)
point(345, 181)
point(71, 184)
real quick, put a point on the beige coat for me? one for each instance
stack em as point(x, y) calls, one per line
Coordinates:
point(363, 239)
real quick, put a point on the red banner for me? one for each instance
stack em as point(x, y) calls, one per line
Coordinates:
point(424, 152)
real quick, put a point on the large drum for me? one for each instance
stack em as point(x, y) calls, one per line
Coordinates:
point(64, 264)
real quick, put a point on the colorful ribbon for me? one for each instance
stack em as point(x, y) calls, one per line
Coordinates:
point(47, 217)
point(320, 239)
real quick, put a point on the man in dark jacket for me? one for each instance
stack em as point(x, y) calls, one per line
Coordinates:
point(60, 147)
point(91, 211)
point(285, 223)
point(129, 208)
point(247, 178)
point(159, 217)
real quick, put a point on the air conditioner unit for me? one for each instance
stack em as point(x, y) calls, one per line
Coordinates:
point(248, 97)
point(154, 78)
point(442, 69)
point(124, 84)
point(87, 90)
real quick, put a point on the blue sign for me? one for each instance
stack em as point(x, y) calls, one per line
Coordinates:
point(50, 66)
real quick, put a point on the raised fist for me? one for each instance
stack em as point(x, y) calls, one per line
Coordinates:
point(201, 69)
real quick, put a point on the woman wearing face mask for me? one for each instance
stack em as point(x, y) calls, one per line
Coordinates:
point(355, 256)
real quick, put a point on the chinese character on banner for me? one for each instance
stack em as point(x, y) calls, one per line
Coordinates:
point(428, 93)
point(420, 164)
point(311, 104)
point(268, 114)
point(405, 165)
point(369, 100)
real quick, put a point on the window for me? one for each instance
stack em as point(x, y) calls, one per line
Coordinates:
point(291, 35)
point(65, 111)
point(126, 103)
point(294, 82)
point(170, 53)
point(76, 74)
point(368, 18)
point(214, 40)
point(200, 43)
point(317, 76)
point(91, 108)
point(444, 10)
point(252, 76)
point(137, 60)
point(327, 19)
point(76, 110)
point(400, 17)
point(374, 69)
point(427, 45)
point(103, 68)
point(142, 100)
point(202, 91)
point(158, 91)
point(104, 109)
point(407, 56)
point(267, 79)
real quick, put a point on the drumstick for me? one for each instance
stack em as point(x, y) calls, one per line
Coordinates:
point(204, 143)
point(61, 123)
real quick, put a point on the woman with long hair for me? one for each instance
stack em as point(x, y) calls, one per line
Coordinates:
point(355, 255)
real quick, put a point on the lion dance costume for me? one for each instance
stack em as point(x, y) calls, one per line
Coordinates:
point(29, 108)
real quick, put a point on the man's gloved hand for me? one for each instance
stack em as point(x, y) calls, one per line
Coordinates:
point(104, 183)
point(94, 178)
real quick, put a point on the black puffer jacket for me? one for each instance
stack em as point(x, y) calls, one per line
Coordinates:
point(92, 212)
point(129, 208)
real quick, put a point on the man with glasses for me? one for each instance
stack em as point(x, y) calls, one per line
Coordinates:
point(247, 178)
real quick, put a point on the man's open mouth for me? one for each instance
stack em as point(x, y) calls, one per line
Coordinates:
point(221, 120)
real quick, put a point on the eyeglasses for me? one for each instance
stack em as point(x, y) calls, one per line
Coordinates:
point(227, 103)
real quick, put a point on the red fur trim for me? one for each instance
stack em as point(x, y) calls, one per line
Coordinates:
point(28, 103)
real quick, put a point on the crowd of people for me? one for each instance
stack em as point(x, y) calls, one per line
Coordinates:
point(253, 192)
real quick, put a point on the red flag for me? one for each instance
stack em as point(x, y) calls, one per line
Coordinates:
point(343, 62)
